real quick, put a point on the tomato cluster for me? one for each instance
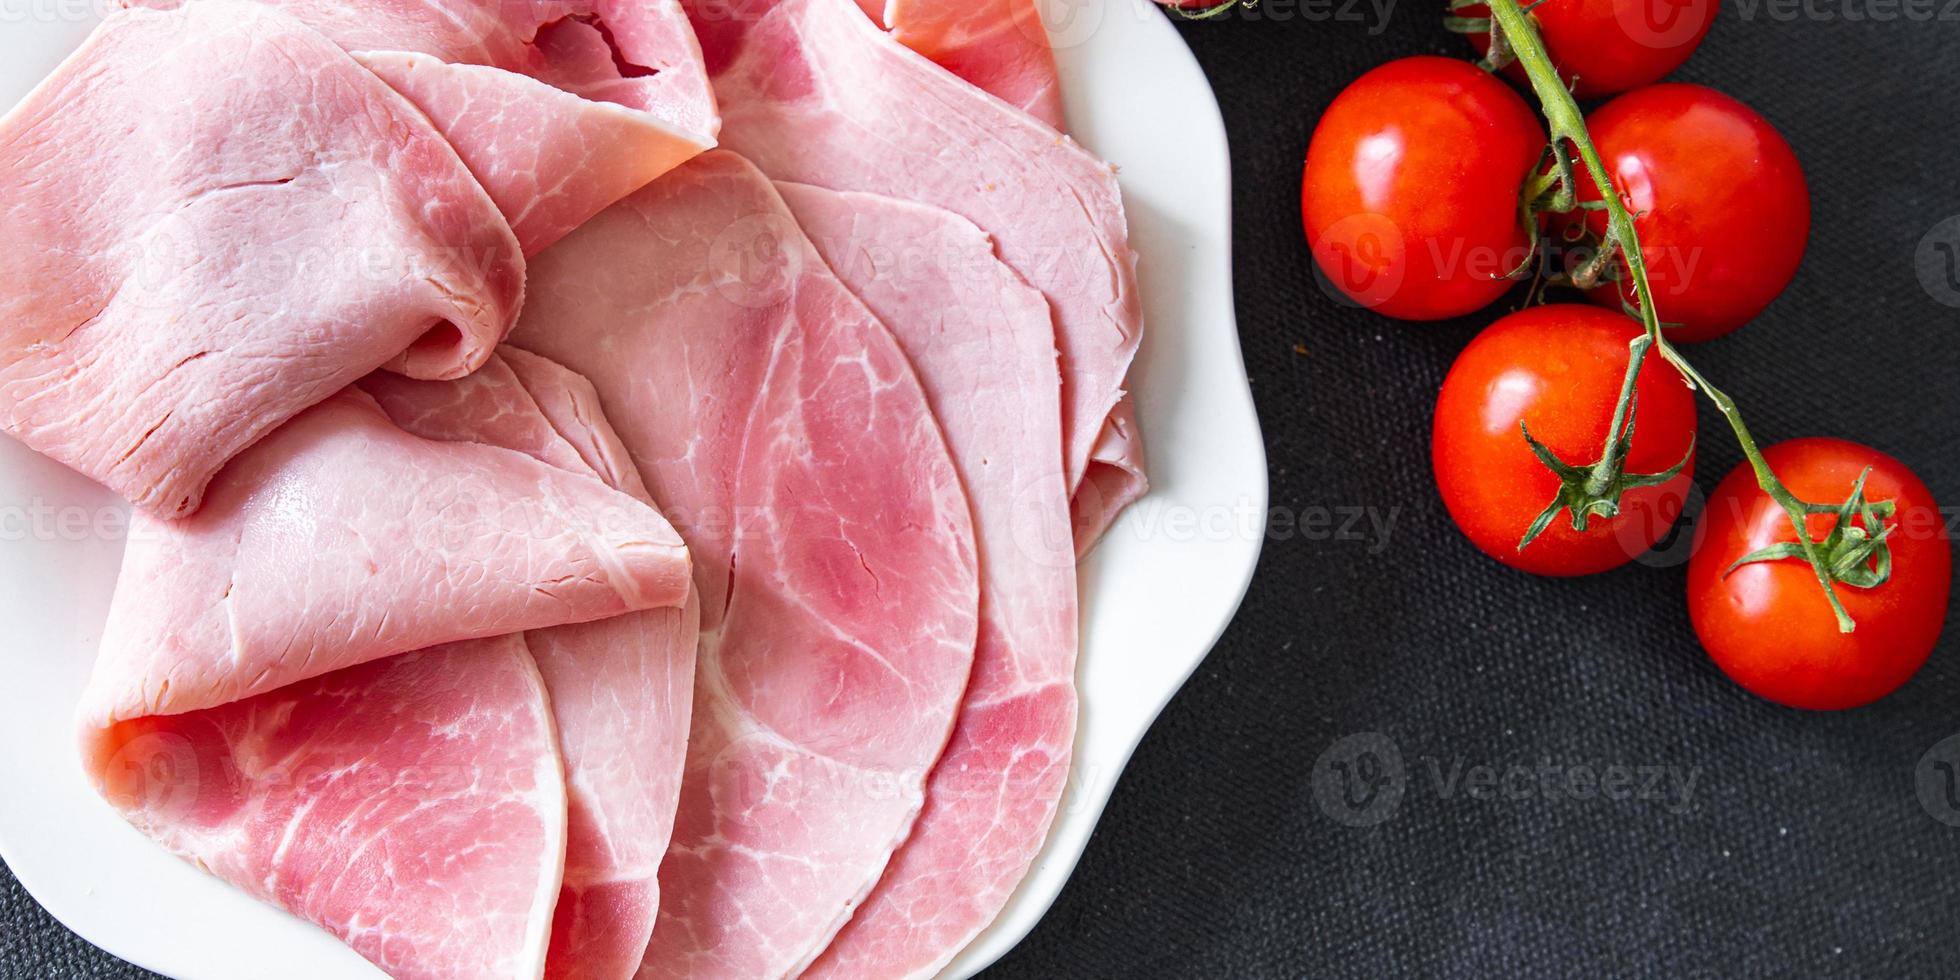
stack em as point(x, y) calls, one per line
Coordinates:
point(1423, 198)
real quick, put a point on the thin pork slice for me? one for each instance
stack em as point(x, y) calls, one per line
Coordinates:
point(341, 539)
point(1114, 480)
point(983, 344)
point(814, 92)
point(1002, 47)
point(195, 256)
point(413, 806)
point(560, 107)
point(621, 688)
point(779, 424)
point(999, 45)
point(319, 687)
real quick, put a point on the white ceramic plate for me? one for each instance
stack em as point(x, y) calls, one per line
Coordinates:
point(1157, 593)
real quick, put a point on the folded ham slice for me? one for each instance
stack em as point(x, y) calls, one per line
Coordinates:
point(984, 346)
point(560, 107)
point(814, 92)
point(780, 425)
point(319, 689)
point(194, 255)
point(621, 688)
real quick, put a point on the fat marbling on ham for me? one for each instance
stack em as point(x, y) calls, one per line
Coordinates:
point(781, 426)
point(560, 107)
point(328, 698)
point(621, 688)
point(814, 92)
point(984, 346)
point(195, 256)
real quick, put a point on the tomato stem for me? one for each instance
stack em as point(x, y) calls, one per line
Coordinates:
point(1520, 41)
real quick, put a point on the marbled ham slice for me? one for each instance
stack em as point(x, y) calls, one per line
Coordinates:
point(560, 107)
point(621, 688)
point(1001, 46)
point(982, 342)
point(210, 252)
point(319, 689)
point(814, 92)
point(341, 539)
point(780, 425)
point(414, 806)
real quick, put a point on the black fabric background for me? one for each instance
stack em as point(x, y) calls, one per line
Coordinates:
point(1804, 850)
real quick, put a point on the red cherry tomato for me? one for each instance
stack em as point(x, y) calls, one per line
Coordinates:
point(1604, 47)
point(1722, 210)
point(1768, 625)
point(1410, 195)
point(1558, 370)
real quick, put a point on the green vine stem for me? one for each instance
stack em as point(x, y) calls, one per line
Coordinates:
point(1513, 33)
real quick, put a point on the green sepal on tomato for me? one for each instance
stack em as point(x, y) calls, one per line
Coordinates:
point(1557, 371)
point(1767, 624)
point(1410, 191)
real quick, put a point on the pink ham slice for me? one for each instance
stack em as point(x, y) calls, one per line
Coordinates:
point(814, 92)
point(210, 252)
point(413, 806)
point(781, 426)
point(560, 107)
point(251, 708)
point(983, 344)
point(621, 688)
point(1001, 46)
point(1113, 480)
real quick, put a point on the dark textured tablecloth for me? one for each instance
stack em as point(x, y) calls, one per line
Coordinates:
point(1774, 843)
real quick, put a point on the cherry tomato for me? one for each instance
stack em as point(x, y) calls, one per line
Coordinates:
point(1410, 195)
point(1604, 47)
point(1768, 625)
point(1720, 204)
point(1557, 369)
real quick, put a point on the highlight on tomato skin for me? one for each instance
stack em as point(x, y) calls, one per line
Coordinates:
point(1604, 47)
point(1558, 369)
point(1768, 626)
point(1410, 191)
point(1722, 209)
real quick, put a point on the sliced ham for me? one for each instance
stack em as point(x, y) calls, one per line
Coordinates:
point(560, 107)
point(781, 426)
point(319, 687)
point(210, 252)
point(984, 347)
point(1113, 480)
point(414, 806)
point(1001, 46)
point(814, 92)
point(621, 688)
